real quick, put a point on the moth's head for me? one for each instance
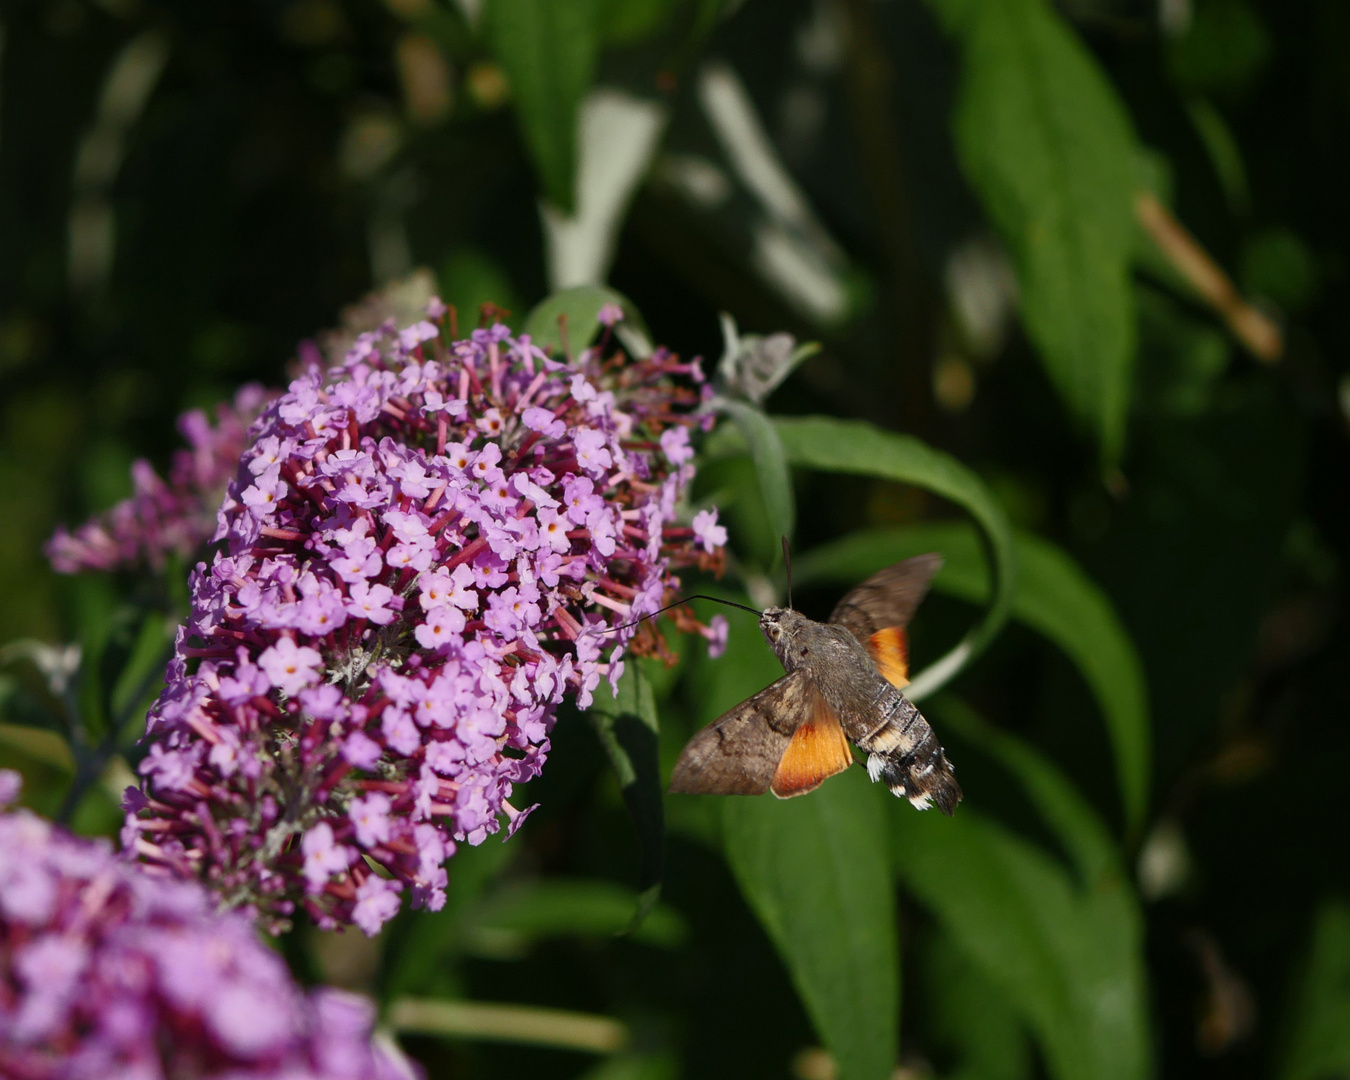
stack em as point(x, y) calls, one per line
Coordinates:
point(780, 625)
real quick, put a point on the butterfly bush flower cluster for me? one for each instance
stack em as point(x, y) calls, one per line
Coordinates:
point(162, 519)
point(425, 549)
point(106, 971)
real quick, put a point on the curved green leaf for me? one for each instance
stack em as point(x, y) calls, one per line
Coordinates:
point(1054, 597)
point(1065, 949)
point(771, 467)
point(549, 50)
point(1048, 146)
point(850, 446)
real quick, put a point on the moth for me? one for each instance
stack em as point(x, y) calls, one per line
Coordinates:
point(842, 684)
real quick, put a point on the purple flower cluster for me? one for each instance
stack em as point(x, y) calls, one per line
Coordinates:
point(106, 971)
point(161, 518)
point(426, 548)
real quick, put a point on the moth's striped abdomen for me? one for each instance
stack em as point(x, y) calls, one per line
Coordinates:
point(905, 755)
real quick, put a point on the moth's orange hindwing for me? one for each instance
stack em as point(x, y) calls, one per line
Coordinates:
point(890, 651)
point(818, 750)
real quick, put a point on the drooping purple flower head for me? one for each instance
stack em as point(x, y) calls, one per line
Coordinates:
point(173, 518)
point(425, 549)
point(107, 971)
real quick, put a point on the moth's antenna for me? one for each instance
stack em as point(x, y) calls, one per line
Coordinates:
point(787, 562)
point(677, 603)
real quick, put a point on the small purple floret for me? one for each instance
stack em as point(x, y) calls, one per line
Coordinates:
point(424, 550)
point(108, 971)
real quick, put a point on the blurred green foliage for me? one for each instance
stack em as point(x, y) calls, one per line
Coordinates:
point(1077, 403)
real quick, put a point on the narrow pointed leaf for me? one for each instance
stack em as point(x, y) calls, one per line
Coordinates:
point(549, 50)
point(844, 446)
point(1047, 145)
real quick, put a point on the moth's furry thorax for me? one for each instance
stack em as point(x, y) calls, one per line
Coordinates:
point(821, 648)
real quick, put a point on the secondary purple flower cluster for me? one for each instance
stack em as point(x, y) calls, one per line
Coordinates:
point(425, 548)
point(161, 519)
point(106, 971)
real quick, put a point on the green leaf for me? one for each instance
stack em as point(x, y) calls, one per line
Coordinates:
point(815, 871)
point(628, 22)
point(855, 447)
point(1053, 596)
point(771, 467)
point(629, 729)
point(513, 918)
point(971, 1016)
point(420, 945)
point(549, 50)
point(580, 307)
point(470, 278)
point(1076, 826)
point(138, 681)
point(1319, 1042)
point(1064, 950)
point(1048, 147)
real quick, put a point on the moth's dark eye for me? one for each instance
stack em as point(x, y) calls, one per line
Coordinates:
point(775, 632)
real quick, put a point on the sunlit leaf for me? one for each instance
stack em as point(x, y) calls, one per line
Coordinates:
point(854, 447)
point(1047, 145)
point(1053, 596)
point(29, 726)
point(1064, 946)
point(507, 1022)
point(549, 50)
point(1319, 1022)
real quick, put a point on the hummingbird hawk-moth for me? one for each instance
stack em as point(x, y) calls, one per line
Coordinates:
point(842, 684)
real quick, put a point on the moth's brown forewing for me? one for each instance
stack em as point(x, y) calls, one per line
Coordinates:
point(787, 738)
point(738, 753)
